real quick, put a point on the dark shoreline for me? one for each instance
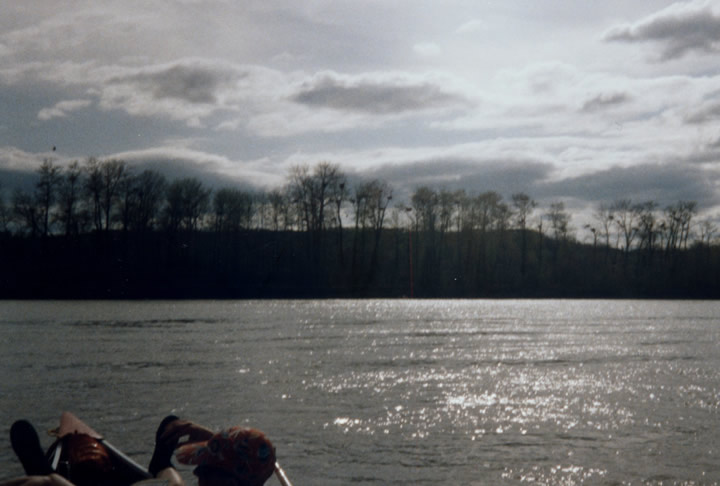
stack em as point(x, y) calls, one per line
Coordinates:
point(257, 264)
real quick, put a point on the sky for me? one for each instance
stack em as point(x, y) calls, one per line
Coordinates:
point(580, 102)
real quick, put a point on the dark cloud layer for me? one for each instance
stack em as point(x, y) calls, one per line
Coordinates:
point(374, 97)
point(708, 113)
point(186, 82)
point(662, 183)
point(505, 177)
point(680, 29)
point(602, 101)
point(174, 169)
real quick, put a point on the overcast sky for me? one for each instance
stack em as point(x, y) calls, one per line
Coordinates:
point(584, 102)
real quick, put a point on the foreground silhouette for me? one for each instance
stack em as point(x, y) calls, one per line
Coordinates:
point(236, 456)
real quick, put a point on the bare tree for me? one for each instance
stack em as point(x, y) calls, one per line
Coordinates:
point(69, 197)
point(126, 198)
point(376, 196)
point(676, 225)
point(233, 210)
point(279, 211)
point(313, 193)
point(523, 208)
point(46, 192)
point(112, 174)
point(340, 194)
point(646, 225)
point(299, 190)
point(361, 204)
point(708, 229)
point(501, 217)
point(94, 191)
point(425, 206)
point(605, 216)
point(139, 199)
point(463, 220)
point(447, 202)
point(625, 215)
point(187, 201)
point(379, 195)
point(148, 194)
point(488, 211)
point(4, 213)
point(688, 210)
point(26, 212)
point(103, 186)
point(559, 221)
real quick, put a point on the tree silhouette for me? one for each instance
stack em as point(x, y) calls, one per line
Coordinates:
point(605, 215)
point(178, 238)
point(646, 228)
point(187, 202)
point(147, 194)
point(5, 216)
point(523, 208)
point(377, 195)
point(94, 191)
point(46, 192)
point(112, 174)
point(69, 199)
point(232, 210)
point(280, 215)
point(625, 215)
point(26, 212)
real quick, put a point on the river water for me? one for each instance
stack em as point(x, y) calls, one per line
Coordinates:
point(387, 392)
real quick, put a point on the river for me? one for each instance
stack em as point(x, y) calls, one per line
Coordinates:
point(387, 392)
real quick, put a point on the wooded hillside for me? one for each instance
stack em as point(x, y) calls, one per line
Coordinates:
point(102, 231)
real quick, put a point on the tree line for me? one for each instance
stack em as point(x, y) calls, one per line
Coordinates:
point(141, 234)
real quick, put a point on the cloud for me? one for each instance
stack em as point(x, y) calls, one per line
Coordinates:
point(664, 183)
point(609, 112)
point(62, 108)
point(706, 114)
point(381, 96)
point(679, 29)
point(17, 170)
point(198, 92)
point(472, 26)
point(212, 169)
point(603, 101)
point(13, 158)
point(505, 177)
point(189, 89)
point(188, 82)
point(427, 49)
point(475, 167)
point(229, 96)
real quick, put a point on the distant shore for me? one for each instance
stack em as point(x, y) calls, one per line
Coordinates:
point(287, 265)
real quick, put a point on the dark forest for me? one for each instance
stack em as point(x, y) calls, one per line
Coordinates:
point(100, 230)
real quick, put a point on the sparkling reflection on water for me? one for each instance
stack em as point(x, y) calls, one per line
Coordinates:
point(386, 391)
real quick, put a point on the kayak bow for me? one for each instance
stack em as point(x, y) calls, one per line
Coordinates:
point(125, 466)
